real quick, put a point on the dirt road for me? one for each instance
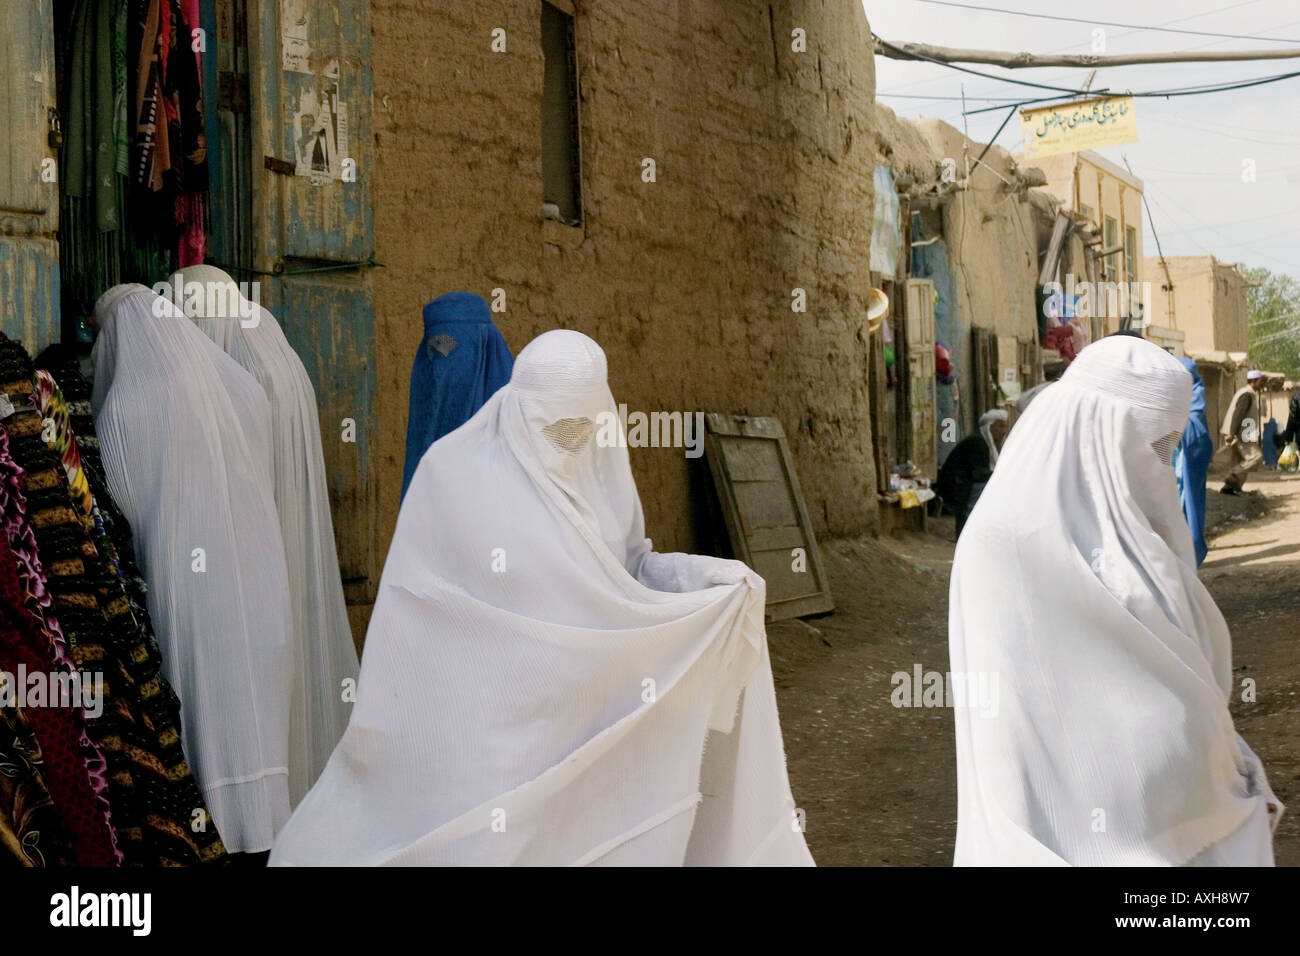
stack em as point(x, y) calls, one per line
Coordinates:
point(878, 783)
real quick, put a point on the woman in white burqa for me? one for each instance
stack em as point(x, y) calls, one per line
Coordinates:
point(184, 435)
point(1074, 587)
point(322, 654)
point(538, 687)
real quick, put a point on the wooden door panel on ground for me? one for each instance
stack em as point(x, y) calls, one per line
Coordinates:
point(765, 514)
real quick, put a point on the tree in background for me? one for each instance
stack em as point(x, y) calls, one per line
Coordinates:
point(1273, 320)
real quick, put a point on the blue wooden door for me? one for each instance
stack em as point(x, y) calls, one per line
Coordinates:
point(313, 234)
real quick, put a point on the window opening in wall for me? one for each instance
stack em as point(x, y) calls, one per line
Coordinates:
point(561, 155)
point(1131, 269)
point(1109, 238)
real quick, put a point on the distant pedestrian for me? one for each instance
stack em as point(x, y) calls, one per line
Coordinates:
point(1241, 432)
point(1292, 430)
point(461, 362)
point(970, 465)
point(1192, 462)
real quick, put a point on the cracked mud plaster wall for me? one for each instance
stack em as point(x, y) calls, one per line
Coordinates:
point(993, 253)
point(764, 184)
point(991, 235)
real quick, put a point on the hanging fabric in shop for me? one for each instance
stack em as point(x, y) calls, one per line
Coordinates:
point(112, 533)
point(134, 177)
point(185, 442)
point(538, 686)
point(124, 603)
point(71, 770)
point(62, 581)
point(31, 833)
point(170, 136)
point(49, 641)
point(58, 721)
point(462, 360)
point(74, 589)
point(186, 132)
point(94, 120)
point(324, 656)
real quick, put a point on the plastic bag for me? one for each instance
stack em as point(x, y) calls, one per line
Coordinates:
point(1289, 460)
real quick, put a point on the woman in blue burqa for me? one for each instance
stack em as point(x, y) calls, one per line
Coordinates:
point(461, 362)
point(1192, 462)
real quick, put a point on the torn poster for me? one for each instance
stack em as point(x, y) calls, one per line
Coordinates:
point(320, 130)
point(294, 51)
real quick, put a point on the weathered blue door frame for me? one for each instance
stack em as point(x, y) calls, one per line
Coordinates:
point(313, 232)
point(300, 235)
point(29, 194)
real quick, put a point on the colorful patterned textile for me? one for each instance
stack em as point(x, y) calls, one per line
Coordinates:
point(57, 433)
point(31, 833)
point(150, 816)
point(57, 720)
point(170, 152)
point(126, 602)
point(21, 543)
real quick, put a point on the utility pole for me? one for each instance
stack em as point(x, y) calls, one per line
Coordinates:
point(1018, 61)
point(1164, 263)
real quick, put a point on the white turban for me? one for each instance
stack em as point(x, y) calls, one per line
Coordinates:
point(986, 420)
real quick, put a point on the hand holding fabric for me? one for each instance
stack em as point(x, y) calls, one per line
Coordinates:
point(677, 573)
point(1257, 781)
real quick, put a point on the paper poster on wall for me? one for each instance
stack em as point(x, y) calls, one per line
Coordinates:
point(884, 224)
point(294, 51)
point(320, 130)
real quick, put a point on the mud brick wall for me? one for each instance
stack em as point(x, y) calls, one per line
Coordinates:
point(764, 171)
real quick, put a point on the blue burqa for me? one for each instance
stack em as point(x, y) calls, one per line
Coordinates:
point(461, 361)
point(1192, 462)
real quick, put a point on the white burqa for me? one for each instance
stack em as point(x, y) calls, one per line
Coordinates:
point(538, 687)
point(322, 653)
point(184, 435)
point(1074, 587)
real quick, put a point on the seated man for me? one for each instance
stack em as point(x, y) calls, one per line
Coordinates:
point(970, 465)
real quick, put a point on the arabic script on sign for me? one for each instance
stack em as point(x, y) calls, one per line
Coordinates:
point(1072, 127)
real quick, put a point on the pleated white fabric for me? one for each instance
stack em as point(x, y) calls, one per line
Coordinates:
point(538, 686)
point(1074, 587)
point(184, 435)
point(322, 653)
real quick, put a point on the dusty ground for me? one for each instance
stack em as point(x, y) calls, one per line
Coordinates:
point(879, 783)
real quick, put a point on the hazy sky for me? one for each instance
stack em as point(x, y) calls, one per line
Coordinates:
point(1191, 149)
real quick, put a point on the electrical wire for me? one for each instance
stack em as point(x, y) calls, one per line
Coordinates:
point(1074, 46)
point(1106, 23)
point(1164, 94)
